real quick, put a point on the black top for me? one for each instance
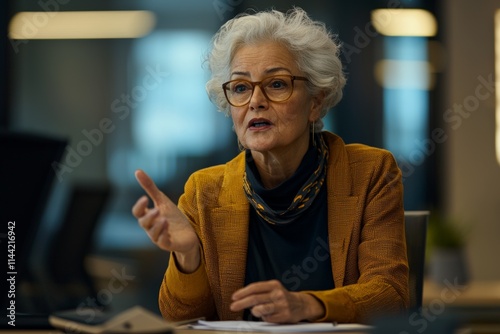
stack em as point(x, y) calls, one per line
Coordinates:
point(297, 253)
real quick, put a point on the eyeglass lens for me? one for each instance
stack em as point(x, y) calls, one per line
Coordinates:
point(277, 89)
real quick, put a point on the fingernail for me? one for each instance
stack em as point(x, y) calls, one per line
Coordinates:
point(153, 212)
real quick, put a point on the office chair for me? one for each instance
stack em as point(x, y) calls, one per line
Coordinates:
point(416, 233)
point(70, 245)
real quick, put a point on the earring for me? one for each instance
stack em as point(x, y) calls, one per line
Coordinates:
point(240, 147)
point(313, 137)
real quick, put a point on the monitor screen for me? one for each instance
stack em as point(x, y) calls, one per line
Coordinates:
point(27, 176)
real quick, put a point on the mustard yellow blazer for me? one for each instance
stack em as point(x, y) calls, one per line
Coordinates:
point(365, 233)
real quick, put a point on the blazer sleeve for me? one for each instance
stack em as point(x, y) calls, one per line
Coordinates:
point(382, 283)
point(186, 296)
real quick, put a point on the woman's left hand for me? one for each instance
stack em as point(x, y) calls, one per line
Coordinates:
point(271, 302)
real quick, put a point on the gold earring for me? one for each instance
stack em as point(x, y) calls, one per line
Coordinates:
point(240, 147)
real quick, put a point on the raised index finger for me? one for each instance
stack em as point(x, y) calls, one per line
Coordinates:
point(149, 186)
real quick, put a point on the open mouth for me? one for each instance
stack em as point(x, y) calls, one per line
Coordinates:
point(258, 123)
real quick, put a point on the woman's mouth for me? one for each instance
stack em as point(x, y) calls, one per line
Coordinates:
point(258, 123)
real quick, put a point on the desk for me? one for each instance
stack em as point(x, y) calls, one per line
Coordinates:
point(467, 330)
point(480, 296)
point(177, 331)
point(474, 294)
point(477, 303)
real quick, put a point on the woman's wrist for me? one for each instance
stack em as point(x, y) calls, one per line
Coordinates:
point(313, 308)
point(188, 262)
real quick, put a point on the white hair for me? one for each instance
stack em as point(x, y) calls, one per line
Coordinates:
point(314, 48)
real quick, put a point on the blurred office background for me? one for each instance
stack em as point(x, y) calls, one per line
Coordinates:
point(135, 99)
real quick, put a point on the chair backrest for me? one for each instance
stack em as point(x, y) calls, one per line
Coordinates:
point(416, 233)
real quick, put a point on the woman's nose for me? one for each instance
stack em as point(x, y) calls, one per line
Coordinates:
point(258, 99)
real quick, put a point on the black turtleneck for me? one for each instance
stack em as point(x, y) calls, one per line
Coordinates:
point(297, 253)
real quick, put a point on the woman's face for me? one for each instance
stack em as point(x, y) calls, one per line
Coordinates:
point(263, 125)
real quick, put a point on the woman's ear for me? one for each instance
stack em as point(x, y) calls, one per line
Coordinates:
point(316, 106)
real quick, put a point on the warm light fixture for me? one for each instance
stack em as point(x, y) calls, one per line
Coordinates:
point(497, 88)
point(404, 22)
point(79, 25)
point(404, 74)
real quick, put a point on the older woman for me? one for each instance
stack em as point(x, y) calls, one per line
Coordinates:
point(299, 226)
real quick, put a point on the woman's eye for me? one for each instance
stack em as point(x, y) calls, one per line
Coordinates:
point(240, 88)
point(277, 84)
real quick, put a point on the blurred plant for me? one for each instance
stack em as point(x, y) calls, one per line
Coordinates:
point(446, 253)
point(445, 233)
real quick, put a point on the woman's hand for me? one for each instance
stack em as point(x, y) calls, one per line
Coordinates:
point(270, 301)
point(166, 225)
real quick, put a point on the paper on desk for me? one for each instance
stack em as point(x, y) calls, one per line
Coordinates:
point(260, 326)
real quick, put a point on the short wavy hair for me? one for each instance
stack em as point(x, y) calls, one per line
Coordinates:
point(315, 49)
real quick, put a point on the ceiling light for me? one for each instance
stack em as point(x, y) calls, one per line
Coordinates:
point(81, 25)
point(404, 22)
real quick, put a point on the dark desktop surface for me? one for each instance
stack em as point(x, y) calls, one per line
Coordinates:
point(436, 320)
point(471, 320)
point(27, 321)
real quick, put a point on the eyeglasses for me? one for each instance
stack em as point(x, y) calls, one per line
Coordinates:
point(277, 88)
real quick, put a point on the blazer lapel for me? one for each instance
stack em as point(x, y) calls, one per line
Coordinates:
point(343, 217)
point(343, 211)
point(230, 225)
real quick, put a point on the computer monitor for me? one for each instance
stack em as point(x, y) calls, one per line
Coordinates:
point(26, 179)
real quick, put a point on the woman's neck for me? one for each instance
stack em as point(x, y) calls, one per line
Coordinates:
point(277, 166)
